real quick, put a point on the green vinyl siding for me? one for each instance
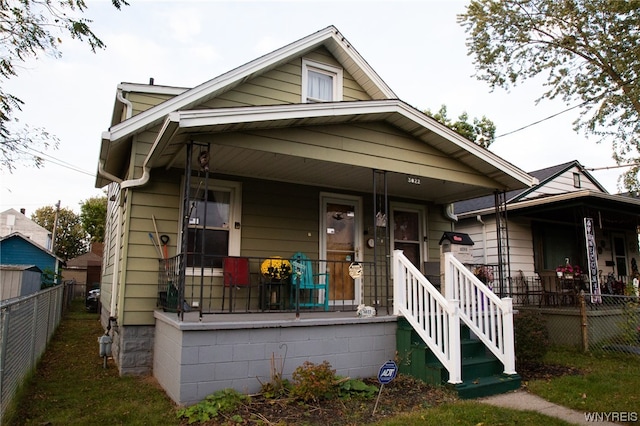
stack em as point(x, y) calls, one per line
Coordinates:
point(159, 199)
point(372, 145)
point(283, 85)
point(437, 224)
point(143, 101)
point(279, 219)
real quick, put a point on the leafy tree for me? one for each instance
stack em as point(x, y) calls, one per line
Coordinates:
point(70, 238)
point(482, 131)
point(93, 216)
point(589, 51)
point(29, 29)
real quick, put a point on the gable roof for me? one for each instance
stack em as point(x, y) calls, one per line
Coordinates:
point(544, 176)
point(18, 235)
point(177, 121)
point(23, 225)
point(328, 37)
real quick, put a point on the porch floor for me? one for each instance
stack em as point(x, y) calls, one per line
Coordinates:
point(193, 321)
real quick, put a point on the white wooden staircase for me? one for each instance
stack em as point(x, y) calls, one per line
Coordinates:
point(463, 339)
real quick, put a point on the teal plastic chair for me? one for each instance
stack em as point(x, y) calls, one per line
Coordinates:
point(309, 287)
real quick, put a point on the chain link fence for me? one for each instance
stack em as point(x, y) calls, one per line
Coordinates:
point(26, 325)
point(594, 323)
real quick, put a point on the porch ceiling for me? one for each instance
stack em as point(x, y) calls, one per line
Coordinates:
point(325, 174)
point(485, 171)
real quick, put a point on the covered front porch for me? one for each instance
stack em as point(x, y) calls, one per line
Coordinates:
point(197, 353)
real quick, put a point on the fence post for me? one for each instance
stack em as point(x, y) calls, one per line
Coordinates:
point(584, 324)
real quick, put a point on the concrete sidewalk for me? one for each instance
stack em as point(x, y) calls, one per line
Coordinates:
point(523, 400)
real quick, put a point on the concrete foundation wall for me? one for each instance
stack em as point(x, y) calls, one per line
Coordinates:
point(193, 360)
point(132, 347)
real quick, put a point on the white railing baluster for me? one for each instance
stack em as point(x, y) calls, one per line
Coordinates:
point(436, 318)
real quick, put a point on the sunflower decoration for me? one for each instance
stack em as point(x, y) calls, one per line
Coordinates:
point(276, 268)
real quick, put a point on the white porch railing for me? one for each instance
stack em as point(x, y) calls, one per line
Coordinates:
point(487, 316)
point(436, 318)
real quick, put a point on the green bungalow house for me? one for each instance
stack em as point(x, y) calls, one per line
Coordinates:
point(286, 210)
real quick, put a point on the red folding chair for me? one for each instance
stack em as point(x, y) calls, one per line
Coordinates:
point(235, 276)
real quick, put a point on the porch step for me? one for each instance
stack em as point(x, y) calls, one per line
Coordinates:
point(481, 371)
point(487, 386)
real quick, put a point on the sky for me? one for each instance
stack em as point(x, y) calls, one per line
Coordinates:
point(416, 47)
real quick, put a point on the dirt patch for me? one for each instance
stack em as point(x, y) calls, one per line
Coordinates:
point(403, 395)
point(540, 371)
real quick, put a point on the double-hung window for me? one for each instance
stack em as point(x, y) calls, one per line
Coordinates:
point(214, 224)
point(320, 82)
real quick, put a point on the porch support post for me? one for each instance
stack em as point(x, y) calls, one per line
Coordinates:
point(508, 337)
point(185, 229)
point(375, 244)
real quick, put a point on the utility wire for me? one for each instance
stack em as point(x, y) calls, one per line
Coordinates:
point(56, 161)
point(544, 119)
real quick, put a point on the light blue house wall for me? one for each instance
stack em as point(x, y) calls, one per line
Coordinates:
point(17, 250)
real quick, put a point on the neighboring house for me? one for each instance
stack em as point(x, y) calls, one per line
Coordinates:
point(19, 280)
point(18, 250)
point(304, 149)
point(85, 270)
point(12, 221)
point(546, 226)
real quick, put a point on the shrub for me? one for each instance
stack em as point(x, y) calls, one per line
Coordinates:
point(218, 403)
point(531, 337)
point(356, 388)
point(313, 382)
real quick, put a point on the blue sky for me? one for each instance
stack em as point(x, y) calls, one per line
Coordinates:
point(417, 48)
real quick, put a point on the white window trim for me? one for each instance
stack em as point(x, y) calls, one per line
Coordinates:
point(235, 216)
point(577, 181)
point(335, 72)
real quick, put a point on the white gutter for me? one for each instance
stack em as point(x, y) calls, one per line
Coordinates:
point(102, 172)
point(449, 212)
point(128, 108)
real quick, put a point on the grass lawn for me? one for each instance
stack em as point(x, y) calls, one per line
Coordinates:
point(71, 387)
point(610, 381)
point(470, 413)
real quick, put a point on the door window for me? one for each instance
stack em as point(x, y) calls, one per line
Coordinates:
point(340, 246)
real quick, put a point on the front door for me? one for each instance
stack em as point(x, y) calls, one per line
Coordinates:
point(408, 231)
point(340, 246)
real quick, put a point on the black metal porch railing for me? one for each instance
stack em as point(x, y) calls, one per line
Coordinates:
point(270, 284)
point(552, 290)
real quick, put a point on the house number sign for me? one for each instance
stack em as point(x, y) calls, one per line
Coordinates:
point(413, 180)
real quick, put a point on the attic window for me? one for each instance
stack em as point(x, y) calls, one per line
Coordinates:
point(320, 82)
point(576, 180)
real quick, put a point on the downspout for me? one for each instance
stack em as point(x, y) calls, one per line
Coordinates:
point(484, 238)
point(116, 266)
point(131, 183)
point(448, 212)
point(128, 107)
point(128, 113)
